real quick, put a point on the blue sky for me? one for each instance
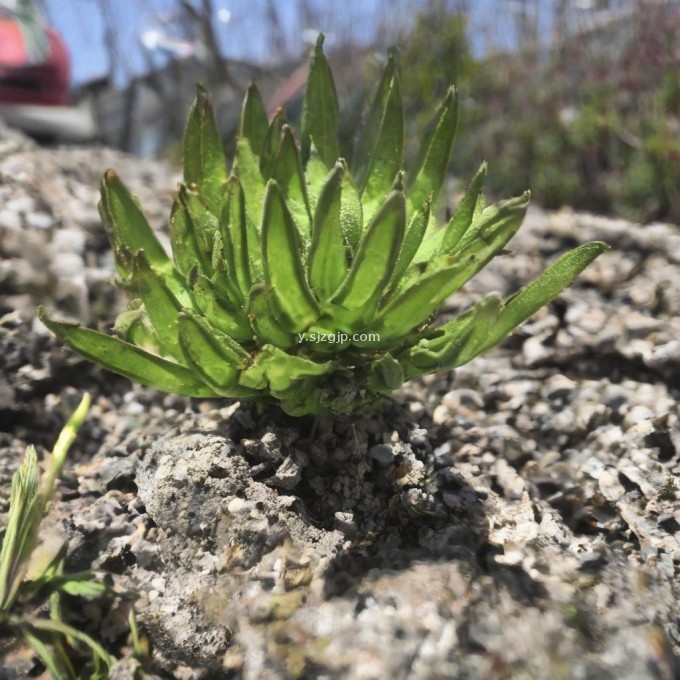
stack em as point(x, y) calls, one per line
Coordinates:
point(246, 33)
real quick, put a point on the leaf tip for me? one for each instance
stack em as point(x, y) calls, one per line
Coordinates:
point(451, 96)
point(600, 246)
point(41, 313)
point(318, 47)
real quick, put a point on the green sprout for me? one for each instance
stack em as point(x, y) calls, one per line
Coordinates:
point(31, 587)
point(295, 279)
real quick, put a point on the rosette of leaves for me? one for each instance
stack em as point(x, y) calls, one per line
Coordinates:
point(296, 279)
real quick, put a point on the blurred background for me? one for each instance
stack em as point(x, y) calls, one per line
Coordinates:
point(578, 100)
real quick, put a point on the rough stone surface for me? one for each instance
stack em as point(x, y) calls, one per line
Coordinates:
point(519, 518)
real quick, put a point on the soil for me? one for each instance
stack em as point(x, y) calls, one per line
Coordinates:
point(519, 518)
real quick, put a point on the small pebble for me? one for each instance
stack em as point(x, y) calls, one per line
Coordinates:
point(39, 220)
point(382, 454)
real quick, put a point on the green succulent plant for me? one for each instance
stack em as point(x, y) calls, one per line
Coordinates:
point(295, 279)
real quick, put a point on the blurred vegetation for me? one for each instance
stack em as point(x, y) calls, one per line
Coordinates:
point(592, 122)
point(586, 113)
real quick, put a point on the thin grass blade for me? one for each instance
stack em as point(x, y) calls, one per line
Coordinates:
point(25, 513)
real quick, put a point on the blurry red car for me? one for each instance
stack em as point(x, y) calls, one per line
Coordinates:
point(34, 62)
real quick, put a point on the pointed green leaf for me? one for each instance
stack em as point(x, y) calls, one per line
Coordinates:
point(205, 164)
point(435, 155)
point(371, 130)
point(247, 169)
point(416, 302)
point(376, 256)
point(351, 211)
point(130, 232)
point(491, 216)
point(440, 346)
point(192, 232)
point(253, 123)
point(205, 224)
point(197, 330)
point(431, 249)
point(315, 175)
point(280, 370)
point(465, 212)
point(283, 268)
point(135, 327)
point(412, 240)
point(221, 312)
point(224, 278)
point(63, 444)
point(213, 355)
point(271, 143)
point(128, 229)
point(289, 176)
point(320, 109)
point(526, 302)
point(387, 154)
point(160, 304)
point(240, 239)
point(454, 343)
point(480, 206)
point(328, 256)
point(386, 374)
point(485, 315)
point(185, 250)
point(127, 360)
point(263, 319)
point(460, 231)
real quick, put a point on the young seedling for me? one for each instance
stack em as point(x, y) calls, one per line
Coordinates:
point(30, 591)
point(296, 279)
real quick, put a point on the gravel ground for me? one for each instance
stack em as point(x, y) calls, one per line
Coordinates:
point(517, 519)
